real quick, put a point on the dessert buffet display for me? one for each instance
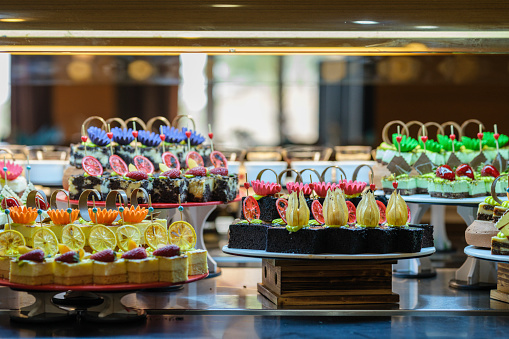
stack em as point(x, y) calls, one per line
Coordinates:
point(169, 165)
point(454, 166)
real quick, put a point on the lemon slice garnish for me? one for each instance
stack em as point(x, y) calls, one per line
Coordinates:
point(102, 238)
point(182, 234)
point(10, 241)
point(156, 236)
point(73, 237)
point(46, 240)
point(125, 234)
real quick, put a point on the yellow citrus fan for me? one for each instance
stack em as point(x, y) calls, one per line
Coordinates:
point(73, 237)
point(156, 236)
point(10, 242)
point(46, 240)
point(125, 234)
point(182, 234)
point(102, 238)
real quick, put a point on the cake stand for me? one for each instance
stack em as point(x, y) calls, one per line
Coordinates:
point(473, 274)
point(312, 280)
point(196, 213)
point(101, 303)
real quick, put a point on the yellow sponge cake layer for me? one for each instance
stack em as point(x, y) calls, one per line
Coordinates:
point(80, 273)
point(142, 271)
point(173, 269)
point(5, 267)
point(27, 231)
point(31, 273)
point(197, 262)
point(106, 273)
point(142, 226)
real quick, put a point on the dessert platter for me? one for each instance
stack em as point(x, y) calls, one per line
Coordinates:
point(337, 253)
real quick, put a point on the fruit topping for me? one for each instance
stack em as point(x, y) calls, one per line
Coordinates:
point(397, 211)
point(218, 159)
point(35, 255)
point(172, 174)
point(107, 255)
point(137, 253)
point(282, 205)
point(335, 210)
point(137, 175)
point(198, 171)
point(122, 136)
point(167, 251)
point(118, 165)
point(171, 160)
point(69, 257)
point(265, 188)
point(298, 187)
point(382, 209)
point(61, 216)
point(149, 139)
point(297, 213)
point(92, 166)
point(10, 202)
point(445, 172)
point(367, 212)
point(103, 216)
point(23, 215)
point(143, 164)
point(251, 209)
point(98, 136)
point(13, 170)
point(219, 171)
point(352, 215)
point(317, 210)
point(489, 171)
point(133, 215)
point(193, 159)
point(465, 170)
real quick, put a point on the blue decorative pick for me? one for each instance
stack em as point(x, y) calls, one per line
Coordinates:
point(69, 210)
point(7, 212)
point(151, 209)
point(121, 209)
point(94, 209)
point(181, 208)
point(39, 211)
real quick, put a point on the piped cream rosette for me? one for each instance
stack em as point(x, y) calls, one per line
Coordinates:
point(335, 211)
point(397, 211)
point(368, 214)
point(297, 213)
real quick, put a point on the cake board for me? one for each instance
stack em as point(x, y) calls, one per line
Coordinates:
point(311, 280)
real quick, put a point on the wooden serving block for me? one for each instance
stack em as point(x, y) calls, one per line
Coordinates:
point(327, 282)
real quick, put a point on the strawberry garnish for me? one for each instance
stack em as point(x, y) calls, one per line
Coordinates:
point(104, 256)
point(35, 255)
point(137, 175)
point(69, 257)
point(198, 171)
point(167, 251)
point(490, 171)
point(10, 202)
point(465, 170)
point(445, 172)
point(137, 253)
point(172, 174)
point(220, 171)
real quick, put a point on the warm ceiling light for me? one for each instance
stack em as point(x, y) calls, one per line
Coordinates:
point(365, 22)
point(226, 6)
point(426, 27)
point(12, 20)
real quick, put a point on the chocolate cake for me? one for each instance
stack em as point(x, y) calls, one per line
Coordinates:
point(408, 239)
point(80, 183)
point(380, 240)
point(200, 189)
point(268, 209)
point(167, 190)
point(226, 187)
point(485, 211)
point(427, 236)
point(305, 241)
point(247, 236)
point(344, 240)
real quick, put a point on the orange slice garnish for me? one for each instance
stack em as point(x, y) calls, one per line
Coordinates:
point(133, 215)
point(61, 217)
point(23, 215)
point(103, 216)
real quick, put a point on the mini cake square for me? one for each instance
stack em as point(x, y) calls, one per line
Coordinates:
point(304, 241)
point(243, 235)
point(197, 262)
point(408, 239)
point(167, 190)
point(173, 269)
point(32, 268)
point(226, 187)
point(108, 269)
point(200, 189)
point(74, 273)
point(140, 268)
point(344, 240)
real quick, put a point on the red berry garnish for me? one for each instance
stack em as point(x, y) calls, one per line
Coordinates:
point(372, 187)
point(220, 171)
point(10, 202)
point(104, 256)
point(395, 184)
point(312, 186)
point(465, 170)
point(399, 138)
point(135, 134)
point(489, 171)
point(167, 251)
point(447, 166)
point(172, 174)
point(162, 136)
point(496, 136)
point(211, 135)
point(35, 255)
point(424, 138)
point(445, 172)
point(110, 135)
point(137, 253)
point(197, 171)
point(452, 136)
point(188, 134)
point(480, 135)
point(246, 185)
point(84, 138)
point(342, 185)
point(70, 257)
point(137, 175)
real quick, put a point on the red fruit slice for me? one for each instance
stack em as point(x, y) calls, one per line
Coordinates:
point(196, 157)
point(171, 160)
point(92, 166)
point(282, 205)
point(251, 209)
point(118, 165)
point(143, 164)
point(409, 215)
point(382, 209)
point(352, 215)
point(317, 210)
point(218, 159)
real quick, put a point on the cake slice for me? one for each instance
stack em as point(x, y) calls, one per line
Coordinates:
point(226, 187)
point(71, 270)
point(140, 268)
point(498, 212)
point(173, 267)
point(32, 269)
point(108, 269)
point(168, 186)
point(500, 244)
point(485, 211)
point(200, 185)
point(5, 266)
point(197, 262)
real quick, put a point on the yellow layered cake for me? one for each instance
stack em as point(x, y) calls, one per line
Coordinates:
point(142, 226)
point(69, 270)
point(32, 268)
point(173, 269)
point(5, 267)
point(24, 221)
point(140, 268)
point(108, 269)
point(60, 218)
point(197, 262)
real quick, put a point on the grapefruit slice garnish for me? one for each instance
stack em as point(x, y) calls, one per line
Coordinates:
point(317, 210)
point(352, 212)
point(409, 215)
point(218, 159)
point(171, 160)
point(251, 209)
point(282, 205)
point(92, 166)
point(118, 165)
point(143, 164)
point(198, 160)
point(382, 208)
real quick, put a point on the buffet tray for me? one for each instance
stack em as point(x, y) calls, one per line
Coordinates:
point(427, 251)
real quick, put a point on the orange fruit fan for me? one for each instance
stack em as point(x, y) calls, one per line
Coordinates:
point(61, 216)
point(23, 215)
point(133, 215)
point(102, 216)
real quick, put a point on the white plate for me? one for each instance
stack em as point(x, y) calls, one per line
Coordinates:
point(46, 172)
point(264, 254)
point(426, 199)
point(482, 253)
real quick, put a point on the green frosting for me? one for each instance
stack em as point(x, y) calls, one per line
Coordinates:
point(430, 175)
point(446, 143)
point(278, 222)
point(501, 235)
point(293, 228)
point(491, 201)
point(313, 222)
point(385, 146)
point(489, 140)
point(364, 226)
point(408, 144)
point(505, 204)
point(258, 197)
point(471, 143)
point(432, 146)
point(254, 221)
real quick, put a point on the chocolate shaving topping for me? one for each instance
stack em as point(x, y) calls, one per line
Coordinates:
point(500, 163)
point(398, 166)
point(423, 165)
point(453, 161)
point(478, 161)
